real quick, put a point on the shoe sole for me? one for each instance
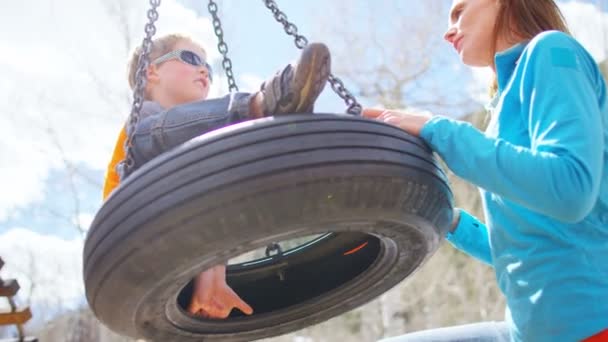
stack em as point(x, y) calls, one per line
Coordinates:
point(311, 76)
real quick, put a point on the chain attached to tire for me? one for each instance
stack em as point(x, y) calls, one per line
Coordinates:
point(127, 165)
point(353, 107)
point(274, 247)
point(222, 47)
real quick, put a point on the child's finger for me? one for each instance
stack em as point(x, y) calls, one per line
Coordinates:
point(202, 313)
point(240, 304)
point(214, 310)
point(245, 308)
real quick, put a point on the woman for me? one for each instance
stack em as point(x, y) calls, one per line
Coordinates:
point(541, 166)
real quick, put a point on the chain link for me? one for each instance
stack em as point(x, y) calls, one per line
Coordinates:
point(353, 107)
point(143, 62)
point(272, 247)
point(222, 46)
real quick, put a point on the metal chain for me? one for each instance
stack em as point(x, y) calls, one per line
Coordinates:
point(222, 46)
point(336, 84)
point(227, 64)
point(273, 246)
point(142, 65)
point(140, 85)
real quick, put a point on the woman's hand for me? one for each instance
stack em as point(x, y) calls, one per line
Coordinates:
point(411, 122)
point(213, 298)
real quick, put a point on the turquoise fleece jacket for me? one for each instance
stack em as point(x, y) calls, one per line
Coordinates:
point(542, 167)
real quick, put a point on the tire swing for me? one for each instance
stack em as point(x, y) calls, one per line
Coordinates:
point(315, 215)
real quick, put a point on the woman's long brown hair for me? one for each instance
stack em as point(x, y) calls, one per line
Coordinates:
point(524, 19)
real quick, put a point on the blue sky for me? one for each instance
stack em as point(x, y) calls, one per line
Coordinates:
point(260, 41)
point(66, 94)
point(259, 44)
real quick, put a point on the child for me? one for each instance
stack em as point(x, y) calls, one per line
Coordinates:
point(175, 110)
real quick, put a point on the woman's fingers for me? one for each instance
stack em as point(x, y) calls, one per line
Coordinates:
point(385, 114)
point(373, 113)
point(376, 113)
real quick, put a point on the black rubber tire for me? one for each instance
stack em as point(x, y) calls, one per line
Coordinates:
point(238, 188)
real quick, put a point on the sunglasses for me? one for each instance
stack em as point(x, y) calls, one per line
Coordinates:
point(187, 57)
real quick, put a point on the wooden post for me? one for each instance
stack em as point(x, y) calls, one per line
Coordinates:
point(9, 289)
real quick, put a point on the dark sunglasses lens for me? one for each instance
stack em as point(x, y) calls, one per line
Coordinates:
point(194, 59)
point(191, 58)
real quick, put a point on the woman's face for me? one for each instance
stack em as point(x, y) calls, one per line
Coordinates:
point(471, 30)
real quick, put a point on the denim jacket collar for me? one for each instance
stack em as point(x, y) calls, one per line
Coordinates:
point(150, 108)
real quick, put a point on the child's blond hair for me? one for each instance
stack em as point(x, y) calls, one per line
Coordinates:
point(160, 46)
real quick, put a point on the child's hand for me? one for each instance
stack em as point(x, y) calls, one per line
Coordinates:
point(213, 298)
point(411, 122)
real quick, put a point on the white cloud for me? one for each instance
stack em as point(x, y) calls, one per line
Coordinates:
point(250, 82)
point(48, 269)
point(589, 26)
point(64, 84)
point(83, 220)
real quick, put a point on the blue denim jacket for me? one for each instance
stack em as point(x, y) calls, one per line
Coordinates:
point(159, 130)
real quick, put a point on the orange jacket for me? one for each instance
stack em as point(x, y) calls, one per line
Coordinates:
point(112, 178)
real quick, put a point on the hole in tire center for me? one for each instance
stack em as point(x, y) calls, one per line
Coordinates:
point(308, 268)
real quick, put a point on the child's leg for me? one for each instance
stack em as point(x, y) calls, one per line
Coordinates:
point(296, 88)
point(163, 131)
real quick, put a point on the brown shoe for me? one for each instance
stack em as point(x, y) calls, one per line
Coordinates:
point(295, 88)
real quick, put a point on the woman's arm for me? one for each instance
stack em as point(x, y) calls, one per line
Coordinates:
point(559, 175)
point(470, 236)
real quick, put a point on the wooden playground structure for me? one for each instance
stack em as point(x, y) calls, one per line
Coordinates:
point(9, 289)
